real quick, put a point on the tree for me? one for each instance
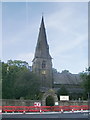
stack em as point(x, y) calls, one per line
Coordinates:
point(62, 91)
point(27, 85)
point(86, 82)
point(18, 63)
point(18, 81)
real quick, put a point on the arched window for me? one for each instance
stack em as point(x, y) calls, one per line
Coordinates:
point(44, 64)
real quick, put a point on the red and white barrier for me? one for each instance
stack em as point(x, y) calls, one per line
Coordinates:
point(25, 109)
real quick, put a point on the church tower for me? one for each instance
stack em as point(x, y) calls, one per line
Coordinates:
point(42, 62)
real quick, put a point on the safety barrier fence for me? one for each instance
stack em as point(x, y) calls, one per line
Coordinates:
point(27, 109)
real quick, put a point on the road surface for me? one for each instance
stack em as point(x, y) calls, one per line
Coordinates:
point(47, 116)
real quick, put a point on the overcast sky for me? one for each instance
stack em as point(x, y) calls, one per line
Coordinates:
point(66, 26)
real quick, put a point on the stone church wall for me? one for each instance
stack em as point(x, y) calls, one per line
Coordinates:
point(10, 102)
point(66, 103)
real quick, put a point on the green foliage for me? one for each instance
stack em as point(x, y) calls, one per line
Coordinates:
point(86, 82)
point(62, 91)
point(18, 81)
point(27, 85)
point(17, 63)
point(49, 101)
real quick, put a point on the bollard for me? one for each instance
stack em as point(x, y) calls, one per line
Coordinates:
point(23, 112)
point(5, 111)
point(40, 111)
point(0, 111)
point(81, 110)
point(72, 110)
point(61, 110)
point(13, 112)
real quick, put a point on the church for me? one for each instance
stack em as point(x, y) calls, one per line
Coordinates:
point(49, 77)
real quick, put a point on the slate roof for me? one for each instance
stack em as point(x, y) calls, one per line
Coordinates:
point(66, 78)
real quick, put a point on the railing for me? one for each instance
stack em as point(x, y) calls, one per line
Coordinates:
point(27, 109)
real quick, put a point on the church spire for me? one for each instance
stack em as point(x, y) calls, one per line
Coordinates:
point(42, 62)
point(42, 48)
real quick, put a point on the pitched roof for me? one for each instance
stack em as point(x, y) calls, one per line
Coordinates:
point(42, 48)
point(66, 78)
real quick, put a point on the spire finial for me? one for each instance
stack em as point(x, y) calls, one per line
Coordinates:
point(42, 22)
